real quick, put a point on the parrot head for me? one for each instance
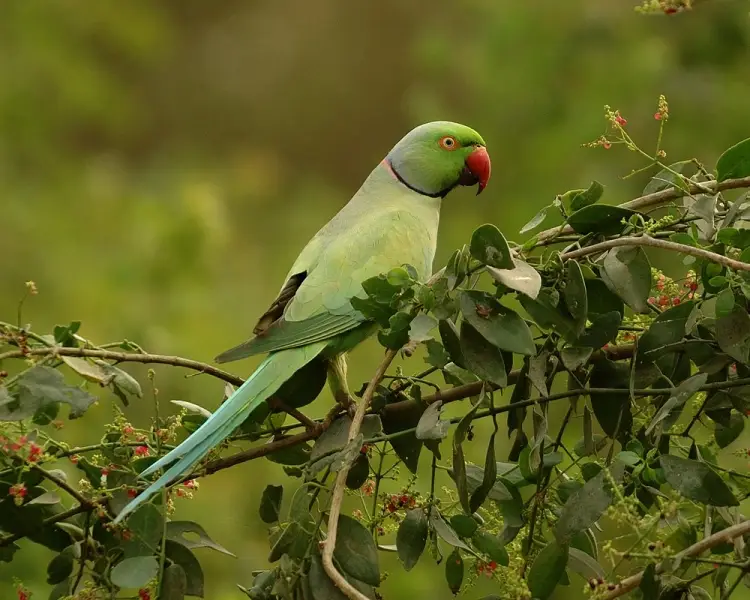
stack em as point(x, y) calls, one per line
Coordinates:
point(434, 158)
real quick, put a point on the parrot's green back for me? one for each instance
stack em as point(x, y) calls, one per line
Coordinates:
point(388, 223)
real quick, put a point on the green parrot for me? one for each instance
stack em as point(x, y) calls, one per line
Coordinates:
point(391, 221)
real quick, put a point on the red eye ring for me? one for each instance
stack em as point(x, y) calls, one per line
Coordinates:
point(449, 143)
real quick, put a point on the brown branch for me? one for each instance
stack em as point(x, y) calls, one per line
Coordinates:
point(658, 198)
point(725, 535)
point(645, 240)
point(340, 485)
point(175, 361)
point(63, 485)
point(266, 449)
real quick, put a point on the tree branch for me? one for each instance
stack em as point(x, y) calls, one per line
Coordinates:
point(645, 240)
point(175, 361)
point(658, 198)
point(725, 535)
point(340, 485)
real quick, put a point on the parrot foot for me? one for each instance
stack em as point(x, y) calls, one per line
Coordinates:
point(346, 402)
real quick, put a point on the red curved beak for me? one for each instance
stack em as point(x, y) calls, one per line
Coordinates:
point(478, 163)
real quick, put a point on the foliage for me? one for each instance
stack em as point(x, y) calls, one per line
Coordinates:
point(657, 369)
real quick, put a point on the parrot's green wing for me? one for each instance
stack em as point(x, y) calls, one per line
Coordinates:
point(315, 302)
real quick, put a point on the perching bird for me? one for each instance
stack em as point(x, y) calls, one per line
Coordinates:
point(391, 221)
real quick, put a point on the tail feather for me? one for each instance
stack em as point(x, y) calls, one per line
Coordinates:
point(266, 379)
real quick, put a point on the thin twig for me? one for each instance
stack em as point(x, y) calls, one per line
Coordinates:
point(722, 537)
point(175, 361)
point(646, 240)
point(64, 485)
point(340, 485)
point(657, 198)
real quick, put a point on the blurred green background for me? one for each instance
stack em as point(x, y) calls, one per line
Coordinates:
point(162, 164)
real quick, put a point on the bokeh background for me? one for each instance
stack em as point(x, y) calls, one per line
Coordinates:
point(162, 164)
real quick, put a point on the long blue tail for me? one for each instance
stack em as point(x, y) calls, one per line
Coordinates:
point(266, 379)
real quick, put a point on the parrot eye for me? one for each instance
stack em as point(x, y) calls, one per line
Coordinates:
point(448, 142)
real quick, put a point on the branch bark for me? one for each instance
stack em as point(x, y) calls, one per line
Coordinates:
point(725, 535)
point(657, 198)
point(340, 486)
point(645, 240)
point(175, 361)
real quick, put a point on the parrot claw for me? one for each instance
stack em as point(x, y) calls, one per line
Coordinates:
point(347, 403)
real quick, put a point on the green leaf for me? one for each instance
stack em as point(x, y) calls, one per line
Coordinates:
point(450, 338)
point(444, 530)
point(411, 537)
point(420, 327)
point(65, 334)
point(176, 531)
point(192, 408)
point(356, 551)
point(86, 369)
point(733, 334)
point(575, 294)
point(607, 407)
point(174, 583)
point(45, 498)
point(397, 334)
point(270, 503)
point(39, 387)
point(454, 571)
point(725, 300)
point(146, 523)
point(668, 328)
point(735, 162)
point(459, 463)
point(407, 447)
point(430, 425)
point(481, 493)
point(725, 435)
point(497, 324)
point(547, 315)
point(60, 567)
point(627, 272)
point(600, 218)
point(588, 446)
point(482, 358)
point(727, 236)
point(398, 277)
point(134, 572)
point(666, 178)
point(584, 564)
point(305, 385)
point(322, 588)
point(696, 481)
point(681, 394)
point(488, 246)
point(650, 587)
point(180, 555)
point(538, 372)
point(358, 472)
point(601, 299)
point(587, 197)
point(492, 546)
point(536, 220)
point(603, 329)
point(464, 525)
point(587, 505)
point(683, 238)
point(522, 278)
point(572, 357)
point(547, 570)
